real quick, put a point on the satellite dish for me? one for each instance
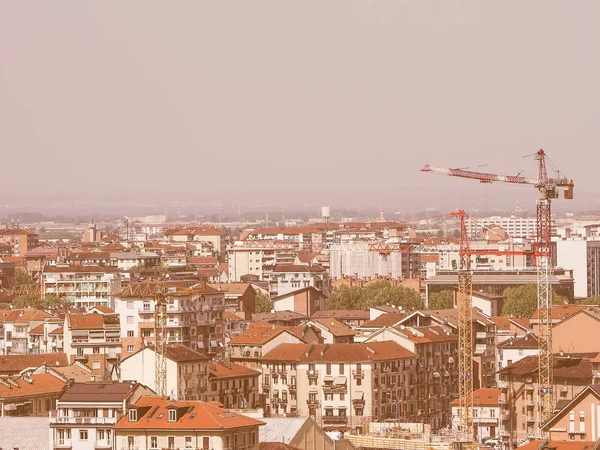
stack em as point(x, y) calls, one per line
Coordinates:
point(402, 327)
point(272, 311)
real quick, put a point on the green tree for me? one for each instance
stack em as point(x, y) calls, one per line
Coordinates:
point(441, 300)
point(263, 303)
point(590, 301)
point(4, 305)
point(378, 293)
point(35, 301)
point(522, 301)
point(22, 277)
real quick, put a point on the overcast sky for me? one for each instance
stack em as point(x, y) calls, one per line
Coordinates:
point(344, 100)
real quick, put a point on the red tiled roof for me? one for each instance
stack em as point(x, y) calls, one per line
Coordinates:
point(529, 341)
point(24, 315)
point(58, 331)
point(86, 321)
point(176, 353)
point(560, 312)
point(348, 314)
point(284, 316)
point(98, 391)
point(335, 327)
point(38, 330)
point(483, 397)
point(279, 268)
point(80, 269)
point(44, 383)
point(203, 260)
point(225, 370)
point(420, 335)
point(257, 336)
point(231, 288)
point(191, 415)
point(564, 367)
point(560, 445)
point(384, 320)
point(373, 351)
point(16, 363)
point(275, 446)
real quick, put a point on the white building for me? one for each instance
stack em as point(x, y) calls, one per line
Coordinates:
point(486, 414)
point(582, 255)
point(86, 414)
point(515, 227)
point(514, 350)
point(290, 278)
point(187, 371)
point(257, 258)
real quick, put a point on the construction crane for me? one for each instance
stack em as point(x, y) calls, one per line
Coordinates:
point(548, 190)
point(160, 341)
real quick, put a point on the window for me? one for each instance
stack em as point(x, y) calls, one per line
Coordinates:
point(492, 412)
point(96, 350)
point(130, 333)
point(147, 332)
point(129, 305)
point(153, 442)
point(83, 435)
point(130, 442)
point(96, 365)
point(188, 442)
point(171, 441)
point(172, 415)
point(328, 368)
point(341, 368)
point(342, 396)
point(205, 442)
point(130, 320)
point(359, 382)
point(130, 348)
point(133, 415)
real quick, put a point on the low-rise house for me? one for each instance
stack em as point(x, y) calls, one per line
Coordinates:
point(30, 395)
point(510, 327)
point(86, 414)
point(156, 423)
point(516, 349)
point(485, 414)
point(16, 326)
point(292, 433)
point(187, 371)
point(233, 385)
point(351, 317)
point(380, 321)
point(567, 336)
point(15, 364)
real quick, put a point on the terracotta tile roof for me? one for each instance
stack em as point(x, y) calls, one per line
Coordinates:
point(16, 363)
point(44, 383)
point(203, 260)
point(86, 321)
point(529, 341)
point(483, 397)
point(424, 335)
point(523, 322)
point(560, 445)
point(38, 330)
point(566, 406)
point(24, 315)
point(58, 331)
point(105, 309)
point(257, 336)
point(196, 231)
point(335, 327)
point(373, 351)
point(14, 232)
point(389, 309)
point(175, 352)
point(275, 446)
point(564, 367)
point(80, 269)
point(221, 370)
point(560, 312)
point(98, 391)
point(301, 330)
point(277, 316)
point(232, 317)
point(192, 415)
point(76, 372)
point(348, 314)
point(299, 291)
point(91, 255)
point(231, 288)
point(306, 257)
point(503, 323)
point(281, 268)
point(384, 320)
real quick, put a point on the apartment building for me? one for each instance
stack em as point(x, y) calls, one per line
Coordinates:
point(567, 336)
point(187, 371)
point(194, 315)
point(20, 241)
point(333, 331)
point(515, 227)
point(240, 298)
point(30, 395)
point(485, 414)
point(233, 385)
point(288, 278)
point(577, 419)
point(93, 339)
point(306, 301)
point(196, 236)
point(258, 258)
point(16, 326)
point(514, 350)
point(510, 327)
point(436, 381)
point(7, 274)
point(86, 414)
point(83, 286)
point(582, 254)
point(249, 347)
point(350, 317)
point(40, 337)
point(519, 392)
point(340, 385)
point(154, 423)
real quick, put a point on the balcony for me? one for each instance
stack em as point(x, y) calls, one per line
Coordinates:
point(311, 373)
point(266, 387)
point(530, 419)
point(503, 385)
point(529, 387)
point(292, 388)
point(529, 403)
point(103, 444)
point(335, 388)
point(359, 402)
point(62, 443)
point(335, 419)
point(312, 402)
point(69, 420)
point(358, 373)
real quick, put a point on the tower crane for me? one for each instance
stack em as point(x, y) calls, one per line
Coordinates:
point(160, 341)
point(548, 188)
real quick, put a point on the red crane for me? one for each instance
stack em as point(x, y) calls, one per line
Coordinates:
point(548, 188)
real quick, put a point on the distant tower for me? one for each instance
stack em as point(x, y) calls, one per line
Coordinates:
point(517, 212)
point(325, 213)
point(381, 216)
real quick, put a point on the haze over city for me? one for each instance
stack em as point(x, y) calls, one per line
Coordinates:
point(110, 106)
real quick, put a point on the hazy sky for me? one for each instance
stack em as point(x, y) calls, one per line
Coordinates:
point(345, 100)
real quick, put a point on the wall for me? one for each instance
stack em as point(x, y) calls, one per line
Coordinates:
point(567, 335)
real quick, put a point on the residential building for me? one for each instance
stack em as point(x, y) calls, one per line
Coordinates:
point(306, 301)
point(30, 395)
point(298, 433)
point(154, 423)
point(560, 313)
point(582, 255)
point(333, 331)
point(93, 339)
point(20, 241)
point(240, 298)
point(131, 260)
point(258, 258)
point(340, 385)
point(351, 317)
point(510, 327)
point(187, 371)
point(83, 286)
point(7, 274)
point(289, 278)
point(577, 419)
point(489, 304)
point(567, 336)
point(86, 414)
point(11, 365)
point(249, 347)
point(514, 350)
point(485, 414)
point(280, 318)
point(232, 326)
point(233, 385)
point(15, 327)
point(196, 236)
point(435, 384)
point(515, 227)
point(519, 391)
